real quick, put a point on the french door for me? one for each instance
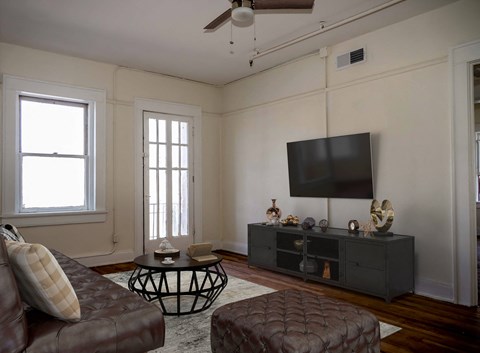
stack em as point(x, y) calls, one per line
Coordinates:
point(168, 180)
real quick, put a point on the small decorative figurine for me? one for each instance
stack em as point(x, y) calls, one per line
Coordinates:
point(308, 223)
point(353, 226)
point(323, 225)
point(379, 213)
point(367, 228)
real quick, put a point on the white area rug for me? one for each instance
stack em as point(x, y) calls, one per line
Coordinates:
point(191, 333)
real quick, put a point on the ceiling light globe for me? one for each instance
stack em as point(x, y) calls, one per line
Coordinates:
point(242, 14)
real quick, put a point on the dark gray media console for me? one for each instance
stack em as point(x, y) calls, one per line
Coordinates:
point(379, 265)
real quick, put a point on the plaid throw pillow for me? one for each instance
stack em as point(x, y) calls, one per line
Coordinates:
point(41, 281)
point(10, 232)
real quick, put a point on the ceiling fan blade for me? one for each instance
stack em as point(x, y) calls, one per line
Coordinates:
point(219, 20)
point(283, 4)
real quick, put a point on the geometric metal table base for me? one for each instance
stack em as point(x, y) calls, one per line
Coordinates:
point(205, 285)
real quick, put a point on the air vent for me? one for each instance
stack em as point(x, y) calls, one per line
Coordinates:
point(348, 59)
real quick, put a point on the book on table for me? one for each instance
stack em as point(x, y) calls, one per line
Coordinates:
point(201, 252)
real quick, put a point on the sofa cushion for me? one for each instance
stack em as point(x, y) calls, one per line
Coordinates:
point(41, 280)
point(13, 325)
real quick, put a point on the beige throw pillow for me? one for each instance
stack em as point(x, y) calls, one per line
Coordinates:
point(41, 281)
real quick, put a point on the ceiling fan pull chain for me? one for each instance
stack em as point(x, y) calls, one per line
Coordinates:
point(254, 35)
point(255, 50)
point(231, 33)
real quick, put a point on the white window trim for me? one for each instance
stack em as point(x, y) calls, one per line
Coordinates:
point(13, 87)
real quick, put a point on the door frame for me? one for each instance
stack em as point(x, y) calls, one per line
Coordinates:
point(193, 111)
point(463, 173)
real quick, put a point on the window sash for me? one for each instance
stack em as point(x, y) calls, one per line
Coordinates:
point(85, 156)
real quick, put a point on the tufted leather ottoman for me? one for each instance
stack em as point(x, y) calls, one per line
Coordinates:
point(293, 321)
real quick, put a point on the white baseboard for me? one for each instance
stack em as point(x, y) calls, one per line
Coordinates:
point(216, 245)
point(110, 259)
point(239, 248)
point(434, 289)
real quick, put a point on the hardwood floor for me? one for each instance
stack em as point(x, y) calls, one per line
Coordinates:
point(427, 325)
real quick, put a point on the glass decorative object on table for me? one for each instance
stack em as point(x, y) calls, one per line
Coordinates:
point(274, 213)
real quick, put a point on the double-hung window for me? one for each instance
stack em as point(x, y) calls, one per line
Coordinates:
point(53, 153)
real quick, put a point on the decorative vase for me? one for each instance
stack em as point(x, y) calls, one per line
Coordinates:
point(298, 244)
point(326, 270)
point(273, 212)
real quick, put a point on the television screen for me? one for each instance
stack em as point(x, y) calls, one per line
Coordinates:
point(335, 167)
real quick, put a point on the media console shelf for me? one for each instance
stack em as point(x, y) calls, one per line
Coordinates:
point(377, 265)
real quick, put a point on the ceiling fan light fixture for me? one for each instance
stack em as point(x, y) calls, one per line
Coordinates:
point(242, 14)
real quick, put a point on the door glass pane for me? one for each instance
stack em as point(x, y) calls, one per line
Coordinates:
point(184, 202)
point(183, 133)
point(53, 182)
point(52, 128)
point(184, 157)
point(175, 203)
point(152, 130)
point(162, 203)
point(153, 204)
point(152, 155)
point(175, 137)
point(175, 156)
point(162, 131)
point(162, 156)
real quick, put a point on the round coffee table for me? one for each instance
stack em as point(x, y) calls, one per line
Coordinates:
point(203, 281)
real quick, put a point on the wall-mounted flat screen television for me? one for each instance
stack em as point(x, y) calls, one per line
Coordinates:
point(335, 167)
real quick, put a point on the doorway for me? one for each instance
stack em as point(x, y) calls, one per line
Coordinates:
point(168, 175)
point(462, 59)
point(476, 114)
point(168, 180)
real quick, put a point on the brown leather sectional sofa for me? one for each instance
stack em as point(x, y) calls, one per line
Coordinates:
point(114, 320)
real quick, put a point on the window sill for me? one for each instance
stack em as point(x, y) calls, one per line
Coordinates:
point(47, 219)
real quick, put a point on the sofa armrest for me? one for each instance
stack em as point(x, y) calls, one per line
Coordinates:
point(13, 325)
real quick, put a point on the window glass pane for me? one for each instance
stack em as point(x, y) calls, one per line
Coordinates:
point(52, 128)
point(175, 156)
point(152, 130)
point(184, 157)
point(184, 202)
point(183, 133)
point(152, 155)
point(175, 203)
point(175, 137)
point(53, 182)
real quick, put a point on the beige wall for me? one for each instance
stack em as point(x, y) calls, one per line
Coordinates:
point(88, 241)
point(400, 95)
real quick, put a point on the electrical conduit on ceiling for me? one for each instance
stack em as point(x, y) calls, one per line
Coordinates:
point(324, 29)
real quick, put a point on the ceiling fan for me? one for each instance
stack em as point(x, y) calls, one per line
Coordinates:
point(242, 10)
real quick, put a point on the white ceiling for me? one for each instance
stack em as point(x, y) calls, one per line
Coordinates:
point(167, 36)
